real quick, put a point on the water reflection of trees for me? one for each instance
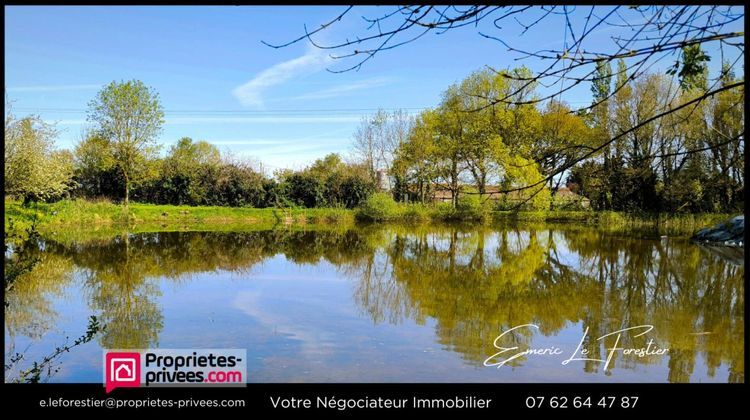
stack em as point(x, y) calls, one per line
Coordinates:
point(28, 308)
point(474, 282)
point(121, 276)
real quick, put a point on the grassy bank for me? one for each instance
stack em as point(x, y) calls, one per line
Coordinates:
point(82, 215)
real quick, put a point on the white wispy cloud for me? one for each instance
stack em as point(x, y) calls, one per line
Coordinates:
point(251, 93)
point(345, 89)
point(52, 88)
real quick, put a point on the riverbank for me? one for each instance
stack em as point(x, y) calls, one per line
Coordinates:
point(98, 214)
point(84, 215)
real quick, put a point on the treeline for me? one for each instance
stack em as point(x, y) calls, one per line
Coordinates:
point(195, 173)
point(650, 142)
point(118, 159)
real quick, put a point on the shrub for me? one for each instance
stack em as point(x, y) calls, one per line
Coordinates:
point(355, 191)
point(444, 211)
point(472, 207)
point(416, 212)
point(306, 190)
point(611, 219)
point(238, 186)
point(379, 207)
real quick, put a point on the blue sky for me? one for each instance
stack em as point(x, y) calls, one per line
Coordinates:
point(218, 82)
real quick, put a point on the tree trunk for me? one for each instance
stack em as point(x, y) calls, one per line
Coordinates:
point(127, 190)
point(727, 195)
point(454, 183)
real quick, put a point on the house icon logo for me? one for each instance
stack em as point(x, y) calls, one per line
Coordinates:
point(122, 370)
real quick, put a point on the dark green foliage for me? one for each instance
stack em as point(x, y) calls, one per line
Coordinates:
point(612, 186)
point(355, 191)
point(602, 85)
point(107, 182)
point(193, 173)
point(306, 190)
point(693, 68)
point(347, 191)
point(238, 186)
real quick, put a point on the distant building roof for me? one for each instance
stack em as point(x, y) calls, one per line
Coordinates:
point(442, 192)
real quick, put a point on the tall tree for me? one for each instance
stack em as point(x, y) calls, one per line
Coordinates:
point(560, 143)
point(416, 159)
point(620, 107)
point(378, 137)
point(649, 35)
point(728, 123)
point(365, 147)
point(130, 115)
point(601, 89)
point(483, 143)
point(452, 123)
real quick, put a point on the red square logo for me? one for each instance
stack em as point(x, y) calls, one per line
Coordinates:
point(123, 370)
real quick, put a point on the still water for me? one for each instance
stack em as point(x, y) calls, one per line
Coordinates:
point(394, 304)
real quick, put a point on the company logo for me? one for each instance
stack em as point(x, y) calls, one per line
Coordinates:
point(174, 367)
point(122, 370)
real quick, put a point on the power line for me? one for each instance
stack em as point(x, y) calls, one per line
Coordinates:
point(234, 111)
point(269, 112)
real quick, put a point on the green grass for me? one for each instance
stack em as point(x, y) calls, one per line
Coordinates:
point(70, 216)
point(93, 215)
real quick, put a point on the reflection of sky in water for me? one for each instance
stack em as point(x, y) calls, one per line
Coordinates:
point(300, 323)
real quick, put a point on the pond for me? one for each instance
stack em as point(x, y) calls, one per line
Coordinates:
point(394, 303)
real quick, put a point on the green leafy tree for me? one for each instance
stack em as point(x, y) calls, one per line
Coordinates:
point(34, 170)
point(451, 124)
point(692, 70)
point(601, 90)
point(563, 139)
point(483, 144)
point(130, 115)
point(306, 190)
point(238, 185)
point(416, 159)
point(188, 172)
point(726, 141)
point(95, 169)
point(327, 166)
point(187, 155)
